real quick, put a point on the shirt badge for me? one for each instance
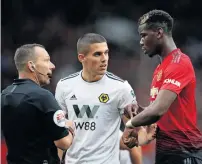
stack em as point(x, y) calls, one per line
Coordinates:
point(159, 75)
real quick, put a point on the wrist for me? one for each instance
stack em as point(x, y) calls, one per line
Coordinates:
point(129, 124)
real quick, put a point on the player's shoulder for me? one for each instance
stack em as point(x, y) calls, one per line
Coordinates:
point(114, 78)
point(180, 58)
point(69, 79)
point(181, 63)
point(117, 81)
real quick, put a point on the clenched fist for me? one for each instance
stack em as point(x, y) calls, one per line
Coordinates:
point(130, 137)
point(139, 136)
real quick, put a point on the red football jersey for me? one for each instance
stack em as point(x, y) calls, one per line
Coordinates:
point(177, 128)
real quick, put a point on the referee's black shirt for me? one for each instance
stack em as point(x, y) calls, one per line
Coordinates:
point(27, 122)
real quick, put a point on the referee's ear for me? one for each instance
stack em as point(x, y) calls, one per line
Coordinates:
point(31, 66)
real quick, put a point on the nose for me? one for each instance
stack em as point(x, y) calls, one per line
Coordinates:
point(52, 66)
point(104, 57)
point(141, 42)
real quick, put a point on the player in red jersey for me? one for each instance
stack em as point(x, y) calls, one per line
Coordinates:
point(172, 95)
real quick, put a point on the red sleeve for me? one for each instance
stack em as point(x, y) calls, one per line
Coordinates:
point(176, 77)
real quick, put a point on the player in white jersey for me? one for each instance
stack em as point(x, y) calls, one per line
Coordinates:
point(95, 100)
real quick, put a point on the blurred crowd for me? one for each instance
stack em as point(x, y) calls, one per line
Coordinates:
point(58, 24)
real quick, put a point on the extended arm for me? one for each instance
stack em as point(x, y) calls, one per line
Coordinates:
point(155, 111)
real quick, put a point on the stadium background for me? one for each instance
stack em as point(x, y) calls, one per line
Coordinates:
point(58, 24)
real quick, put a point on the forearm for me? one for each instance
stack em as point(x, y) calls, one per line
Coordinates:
point(136, 155)
point(60, 153)
point(154, 111)
point(140, 109)
point(147, 117)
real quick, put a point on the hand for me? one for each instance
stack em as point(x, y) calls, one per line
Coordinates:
point(146, 134)
point(130, 137)
point(131, 110)
point(151, 132)
point(139, 136)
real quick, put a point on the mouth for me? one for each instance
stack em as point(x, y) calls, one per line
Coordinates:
point(104, 66)
point(144, 49)
point(49, 75)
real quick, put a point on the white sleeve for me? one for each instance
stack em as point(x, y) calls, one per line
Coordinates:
point(126, 97)
point(59, 96)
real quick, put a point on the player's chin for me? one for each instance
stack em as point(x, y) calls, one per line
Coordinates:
point(150, 54)
point(102, 72)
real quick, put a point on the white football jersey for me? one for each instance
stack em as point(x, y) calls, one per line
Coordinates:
point(95, 108)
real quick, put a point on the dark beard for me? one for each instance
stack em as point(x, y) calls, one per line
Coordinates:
point(157, 51)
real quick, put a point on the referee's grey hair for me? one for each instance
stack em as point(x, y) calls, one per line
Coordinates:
point(24, 54)
point(86, 40)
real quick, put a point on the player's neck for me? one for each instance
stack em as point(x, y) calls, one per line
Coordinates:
point(25, 75)
point(90, 77)
point(168, 47)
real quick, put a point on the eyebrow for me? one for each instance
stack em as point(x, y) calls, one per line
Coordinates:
point(47, 58)
point(101, 51)
point(142, 33)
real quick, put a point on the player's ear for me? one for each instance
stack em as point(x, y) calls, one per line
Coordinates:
point(81, 57)
point(159, 33)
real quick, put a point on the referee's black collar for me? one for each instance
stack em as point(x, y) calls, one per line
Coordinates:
point(23, 81)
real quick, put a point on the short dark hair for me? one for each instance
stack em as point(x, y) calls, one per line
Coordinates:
point(157, 18)
point(25, 53)
point(86, 40)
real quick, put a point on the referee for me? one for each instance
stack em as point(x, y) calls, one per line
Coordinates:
point(32, 121)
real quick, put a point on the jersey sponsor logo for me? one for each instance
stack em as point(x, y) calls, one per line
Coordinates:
point(172, 81)
point(159, 75)
point(59, 118)
point(85, 125)
point(85, 109)
point(104, 98)
point(88, 125)
point(154, 91)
